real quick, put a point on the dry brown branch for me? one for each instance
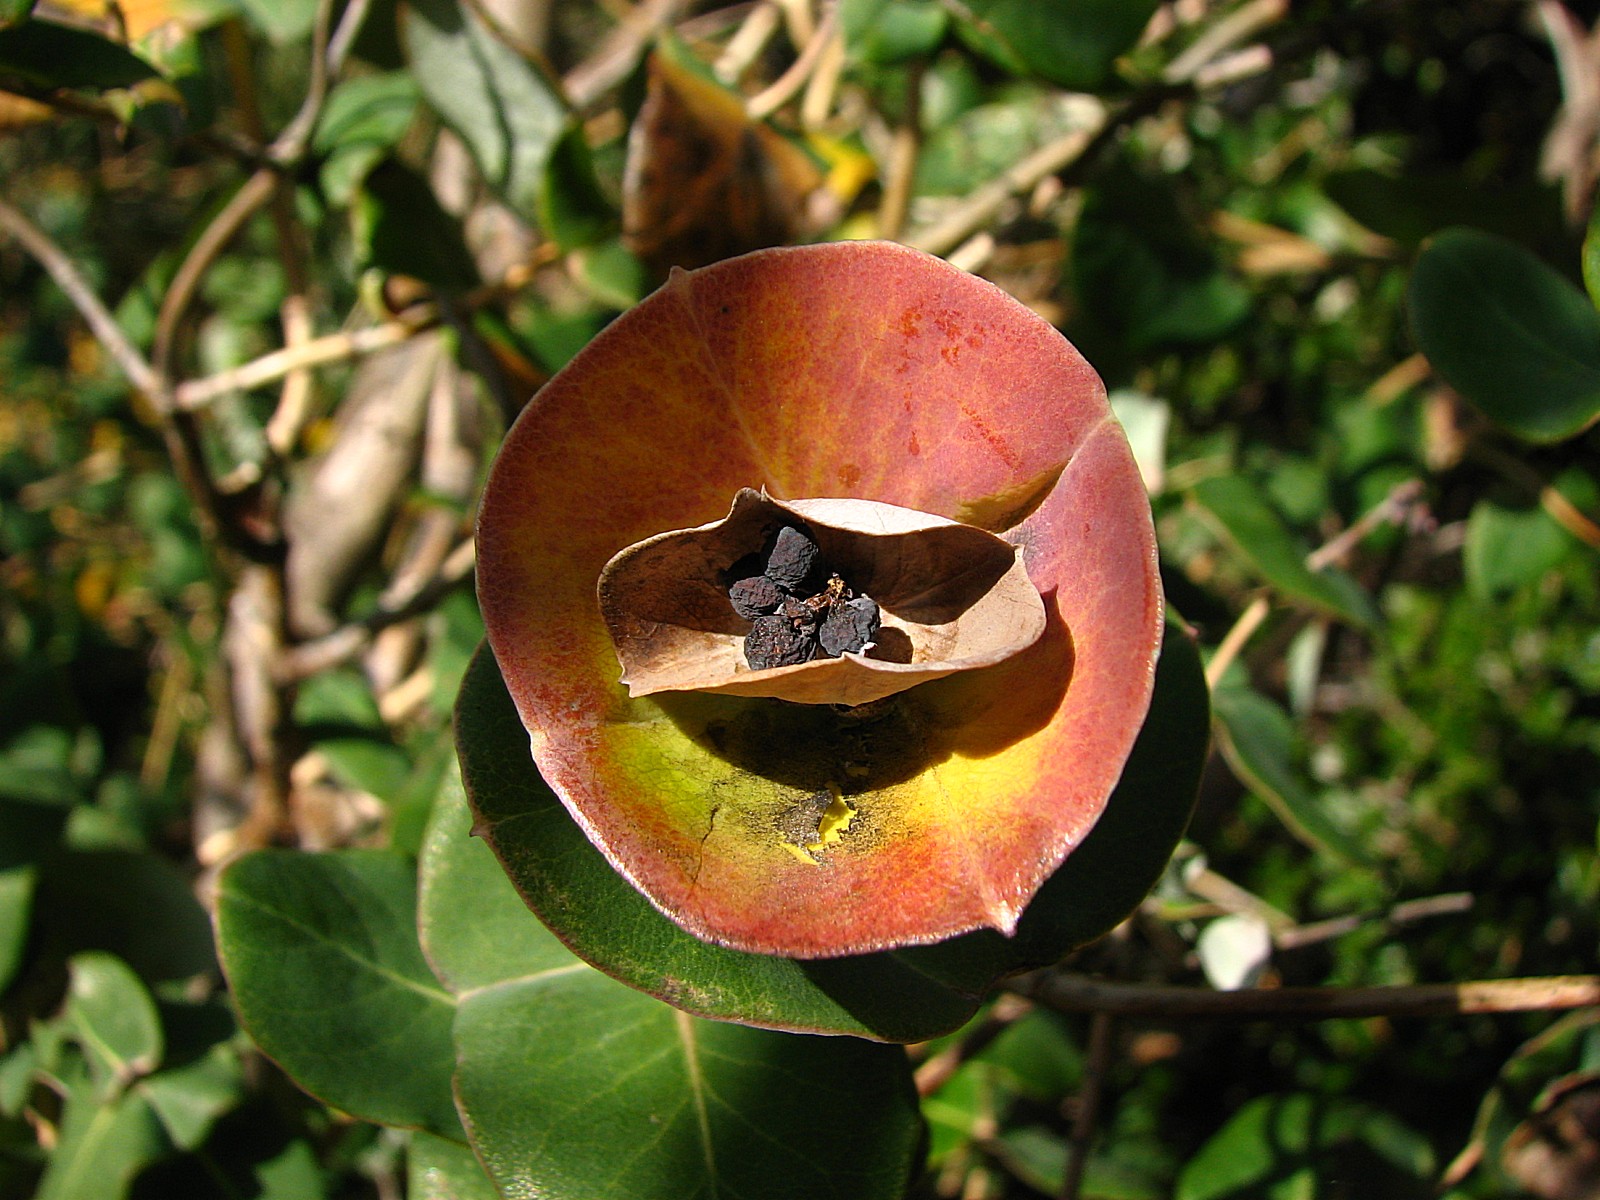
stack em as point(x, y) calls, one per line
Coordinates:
point(318, 352)
point(1089, 1093)
point(1076, 994)
point(96, 315)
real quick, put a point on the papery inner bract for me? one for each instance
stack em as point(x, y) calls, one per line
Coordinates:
point(951, 597)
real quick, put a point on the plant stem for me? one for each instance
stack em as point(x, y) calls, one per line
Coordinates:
point(1076, 994)
point(99, 319)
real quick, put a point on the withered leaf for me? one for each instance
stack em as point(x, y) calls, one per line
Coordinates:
point(952, 598)
point(703, 181)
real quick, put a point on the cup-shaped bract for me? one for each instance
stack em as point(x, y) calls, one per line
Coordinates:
point(850, 371)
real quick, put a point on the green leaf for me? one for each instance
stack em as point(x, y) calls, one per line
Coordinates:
point(1236, 507)
point(886, 32)
point(1275, 1139)
point(282, 21)
point(437, 1169)
point(1506, 548)
point(322, 955)
point(189, 1098)
point(1069, 42)
point(16, 908)
point(986, 140)
point(1418, 203)
point(1258, 740)
point(12, 11)
point(101, 1145)
point(573, 211)
point(543, 1041)
point(1591, 257)
point(574, 1085)
point(364, 119)
point(113, 1018)
point(1509, 333)
point(137, 906)
point(501, 104)
point(402, 229)
point(1144, 270)
point(54, 56)
point(36, 766)
point(611, 274)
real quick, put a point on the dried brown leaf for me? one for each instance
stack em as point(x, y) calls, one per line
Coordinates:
point(953, 598)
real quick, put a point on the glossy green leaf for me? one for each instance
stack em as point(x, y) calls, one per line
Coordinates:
point(47, 55)
point(1236, 507)
point(437, 1169)
point(363, 120)
point(543, 1041)
point(1509, 333)
point(16, 909)
point(1144, 272)
point(1415, 204)
point(1069, 42)
point(322, 956)
point(113, 1018)
point(137, 906)
point(1507, 548)
point(1258, 740)
point(575, 1086)
point(12, 11)
point(1591, 257)
point(499, 102)
point(892, 31)
point(402, 229)
point(573, 211)
point(190, 1097)
point(101, 1143)
point(282, 21)
point(908, 995)
point(986, 140)
point(1273, 1140)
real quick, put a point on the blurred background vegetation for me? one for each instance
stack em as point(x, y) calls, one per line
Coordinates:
point(343, 244)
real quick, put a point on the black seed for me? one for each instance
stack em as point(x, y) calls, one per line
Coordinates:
point(792, 559)
point(777, 641)
point(754, 597)
point(849, 626)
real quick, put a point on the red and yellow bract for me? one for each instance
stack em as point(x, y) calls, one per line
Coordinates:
point(861, 370)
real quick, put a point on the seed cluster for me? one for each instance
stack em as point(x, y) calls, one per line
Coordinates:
point(796, 607)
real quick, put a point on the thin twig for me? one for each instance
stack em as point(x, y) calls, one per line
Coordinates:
point(347, 641)
point(1560, 509)
point(1088, 1114)
point(1449, 904)
point(1236, 638)
point(963, 220)
point(1391, 510)
point(1076, 994)
point(901, 170)
point(244, 204)
point(318, 352)
point(95, 314)
point(933, 1074)
point(786, 86)
point(1224, 35)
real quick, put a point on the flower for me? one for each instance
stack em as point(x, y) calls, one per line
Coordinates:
point(858, 371)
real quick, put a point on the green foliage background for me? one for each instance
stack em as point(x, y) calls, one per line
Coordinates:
point(1339, 287)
